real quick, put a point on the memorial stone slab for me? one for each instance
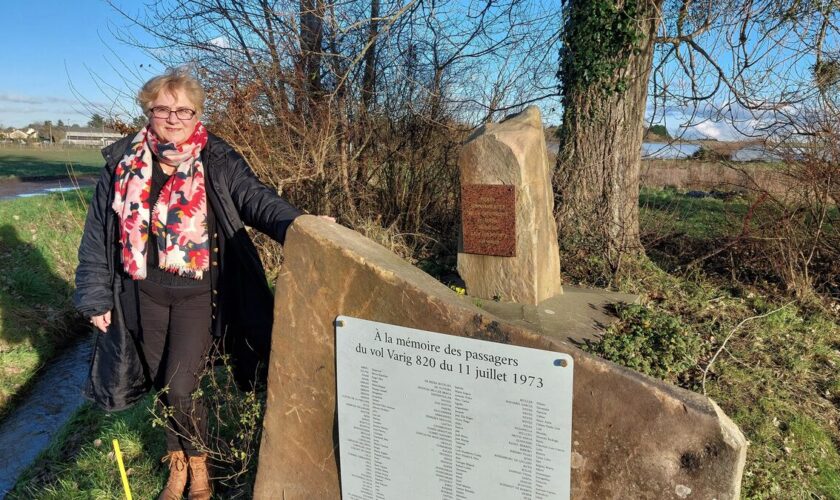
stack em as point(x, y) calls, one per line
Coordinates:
point(511, 154)
point(632, 436)
point(475, 419)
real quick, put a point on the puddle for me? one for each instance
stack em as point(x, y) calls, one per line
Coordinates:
point(30, 427)
point(651, 150)
point(668, 151)
point(24, 189)
point(755, 153)
point(681, 151)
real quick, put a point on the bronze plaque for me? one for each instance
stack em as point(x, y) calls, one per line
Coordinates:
point(488, 219)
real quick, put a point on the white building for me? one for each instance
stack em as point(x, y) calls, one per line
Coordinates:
point(22, 135)
point(91, 138)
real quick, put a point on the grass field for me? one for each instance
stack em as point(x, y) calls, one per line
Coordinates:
point(32, 162)
point(39, 238)
point(776, 376)
point(669, 212)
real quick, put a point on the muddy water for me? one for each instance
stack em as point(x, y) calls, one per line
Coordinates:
point(21, 189)
point(56, 394)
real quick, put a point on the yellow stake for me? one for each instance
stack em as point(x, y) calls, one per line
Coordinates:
point(122, 470)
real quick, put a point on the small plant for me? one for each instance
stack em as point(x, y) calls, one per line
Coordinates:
point(234, 421)
point(441, 266)
point(650, 341)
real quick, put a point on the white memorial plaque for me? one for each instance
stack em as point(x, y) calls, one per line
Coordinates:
point(423, 416)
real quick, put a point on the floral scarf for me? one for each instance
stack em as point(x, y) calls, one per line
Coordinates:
point(178, 219)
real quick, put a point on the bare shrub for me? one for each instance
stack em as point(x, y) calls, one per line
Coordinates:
point(234, 422)
point(787, 238)
point(388, 237)
point(401, 172)
point(798, 233)
point(356, 109)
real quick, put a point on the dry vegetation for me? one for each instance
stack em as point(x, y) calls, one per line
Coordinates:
point(356, 109)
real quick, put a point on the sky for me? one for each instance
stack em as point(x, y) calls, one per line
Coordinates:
point(62, 61)
point(55, 57)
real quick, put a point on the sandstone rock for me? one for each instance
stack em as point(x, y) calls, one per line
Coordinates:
point(633, 436)
point(513, 153)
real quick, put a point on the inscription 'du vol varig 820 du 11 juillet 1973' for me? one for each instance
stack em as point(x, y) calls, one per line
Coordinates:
point(424, 415)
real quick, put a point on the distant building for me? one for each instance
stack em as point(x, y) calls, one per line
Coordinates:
point(90, 137)
point(22, 135)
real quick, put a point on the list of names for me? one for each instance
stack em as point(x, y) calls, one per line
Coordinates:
point(427, 416)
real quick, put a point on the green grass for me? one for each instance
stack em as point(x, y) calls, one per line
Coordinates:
point(667, 211)
point(778, 377)
point(80, 462)
point(39, 238)
point(775, 382)
point(33, 162)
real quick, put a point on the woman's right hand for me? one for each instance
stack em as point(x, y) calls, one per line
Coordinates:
point(102, 321)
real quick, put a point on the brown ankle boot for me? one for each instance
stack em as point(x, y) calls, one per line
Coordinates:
point(174, 489)
point(199, 478)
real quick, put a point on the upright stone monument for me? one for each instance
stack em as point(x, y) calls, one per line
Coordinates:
point(508, 247)
point(632, 436)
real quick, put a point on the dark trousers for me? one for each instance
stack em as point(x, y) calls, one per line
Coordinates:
point(175, 340)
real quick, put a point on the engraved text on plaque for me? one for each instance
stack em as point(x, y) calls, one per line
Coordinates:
point(488, 219)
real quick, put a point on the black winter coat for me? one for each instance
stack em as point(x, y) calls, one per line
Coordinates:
point(242, 301)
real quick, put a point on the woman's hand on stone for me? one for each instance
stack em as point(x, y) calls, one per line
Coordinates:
point(102, 321)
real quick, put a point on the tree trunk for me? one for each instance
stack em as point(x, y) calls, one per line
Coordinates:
point(369, 79)
point(276, 89)
point(597, 176)
point(311, 45)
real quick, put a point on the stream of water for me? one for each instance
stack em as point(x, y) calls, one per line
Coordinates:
point(55, 396)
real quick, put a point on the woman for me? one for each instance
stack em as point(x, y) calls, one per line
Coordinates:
point(165, 266)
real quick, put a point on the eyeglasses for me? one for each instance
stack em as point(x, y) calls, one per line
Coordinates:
point(164, 113)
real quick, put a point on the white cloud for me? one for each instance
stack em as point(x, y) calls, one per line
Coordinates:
point(220, 41)
point(722, 122)
point(25, 99)
point(720, 131)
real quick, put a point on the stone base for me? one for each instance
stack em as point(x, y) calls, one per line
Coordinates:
point(576, 316)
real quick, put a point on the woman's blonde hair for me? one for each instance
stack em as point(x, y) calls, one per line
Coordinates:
point(173, 80)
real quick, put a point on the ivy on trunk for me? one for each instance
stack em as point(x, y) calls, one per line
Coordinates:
point(606, 60)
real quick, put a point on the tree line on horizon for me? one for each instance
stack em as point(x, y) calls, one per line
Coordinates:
point(55, 131)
